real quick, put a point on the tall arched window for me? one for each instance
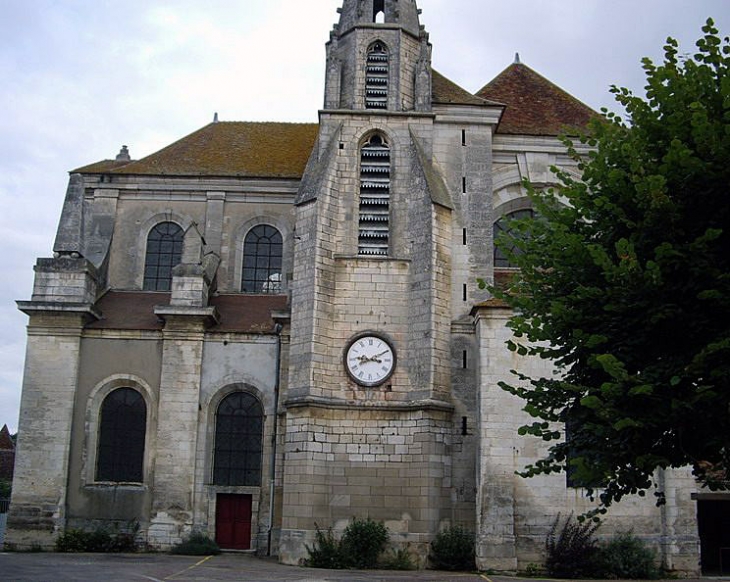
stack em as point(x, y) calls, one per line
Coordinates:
point(503, 226)
point(376, 77)
point(122, 430)
point(374, 230)
point(164, 251)
point(262, 256)
point(239, 425)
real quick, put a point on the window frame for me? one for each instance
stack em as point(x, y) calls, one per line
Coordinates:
point(377, 76)
point(374, 208)
point(217, 468)
point(113, 438)
point(93, 419)
point(158, 282)
point(276, 287)
point(499, 260)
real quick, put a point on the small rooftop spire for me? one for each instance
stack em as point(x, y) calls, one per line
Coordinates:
point(517, 59)
point(123, 155)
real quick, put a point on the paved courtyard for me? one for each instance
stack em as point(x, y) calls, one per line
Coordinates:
point(51, 567)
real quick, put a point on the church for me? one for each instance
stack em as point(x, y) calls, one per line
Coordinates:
point(268, 327)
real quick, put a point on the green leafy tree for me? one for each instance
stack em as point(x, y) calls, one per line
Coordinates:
point(624, 284)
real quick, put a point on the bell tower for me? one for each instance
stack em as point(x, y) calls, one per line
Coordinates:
point(368, 404)
point(378, 58)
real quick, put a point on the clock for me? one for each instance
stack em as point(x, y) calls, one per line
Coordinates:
point(369, 359)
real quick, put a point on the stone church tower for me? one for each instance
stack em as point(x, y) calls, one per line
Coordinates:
point(377, 216)
point(268, 327)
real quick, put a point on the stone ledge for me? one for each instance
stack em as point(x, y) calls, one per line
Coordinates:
point(34, 307)
point(316, 402)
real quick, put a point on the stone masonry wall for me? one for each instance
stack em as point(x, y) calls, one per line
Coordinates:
point(514, 514)
point(389, 465)
point(177, 423)
point(37, 510)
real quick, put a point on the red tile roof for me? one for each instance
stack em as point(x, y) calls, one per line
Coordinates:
point(222, 149)
point(535, 106)
point(134, 310)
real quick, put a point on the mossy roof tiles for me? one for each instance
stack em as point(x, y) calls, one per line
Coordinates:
point(532, 106)
point(535, 106)
point(232, 148)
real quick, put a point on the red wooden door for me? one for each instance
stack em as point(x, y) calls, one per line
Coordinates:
point(233, 521)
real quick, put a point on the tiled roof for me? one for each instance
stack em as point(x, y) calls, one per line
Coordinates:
point(231, 148)
point(444, 91)
point(6, 442)
point(134, 310)
point(535, 106)
point(102, 167)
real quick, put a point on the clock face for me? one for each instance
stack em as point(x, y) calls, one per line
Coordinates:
point(370, 360)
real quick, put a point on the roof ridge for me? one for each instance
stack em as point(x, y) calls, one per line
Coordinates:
point(534, 104)
point(518, 64)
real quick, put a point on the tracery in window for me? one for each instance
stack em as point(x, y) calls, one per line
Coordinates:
point(262, 260)
point(122, 430)
point(374, 227)
point(501, 259)
point(238, 441)
point(376, 77)
point(164, 251)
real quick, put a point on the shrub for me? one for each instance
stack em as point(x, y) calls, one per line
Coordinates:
point(98, 540)
point(453, 549)
point(326, 551)
point(626, 556)
point(360, 547)
point(197, 544)
point(78, 540)
point(573, 553)
point(398, 559)
point(362, 543)
point(533, 570)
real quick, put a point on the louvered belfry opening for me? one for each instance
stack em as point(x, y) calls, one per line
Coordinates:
point(374, 197)
point(376, 77)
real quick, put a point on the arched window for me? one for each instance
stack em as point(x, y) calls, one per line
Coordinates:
point(239, 425)
point(262, 254)
point(122, 430)
point(503, 226)
point(164, 251)
point(374, 230)
point(376, 77)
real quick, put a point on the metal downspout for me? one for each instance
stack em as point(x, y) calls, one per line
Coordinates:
point(272, 476)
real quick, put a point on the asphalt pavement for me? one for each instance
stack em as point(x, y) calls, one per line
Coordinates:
point(52, 567)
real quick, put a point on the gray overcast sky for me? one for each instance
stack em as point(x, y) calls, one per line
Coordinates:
point(80, 78)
